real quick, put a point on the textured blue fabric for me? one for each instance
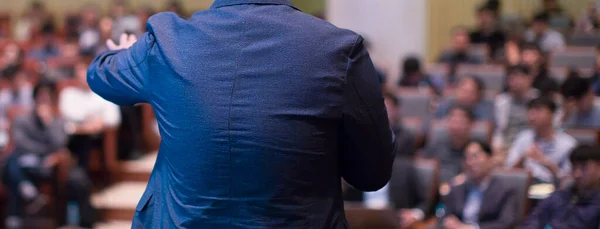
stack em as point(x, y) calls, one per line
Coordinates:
point(262, 109)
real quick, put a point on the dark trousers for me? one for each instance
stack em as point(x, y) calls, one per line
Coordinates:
point(130, 132)
point(82, 145)
point(15, 174)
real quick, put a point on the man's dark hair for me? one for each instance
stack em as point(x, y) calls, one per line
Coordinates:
point(542, 102)
point(518, 68)
point(585, 153)
point(51, 86)
point(395, 100)
point(575, 87)
point(478, 82)
point(468, 112)
point(484, 146)
point(485, 8)
point(542, 17)
point(598, 48)
point(9, 73)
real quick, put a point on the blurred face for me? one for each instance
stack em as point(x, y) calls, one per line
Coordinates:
point(519, 82)
point(587, 101)
point(90, 16)
point(539, 27)
point(598, 59)
point(81, 74)
point(460, 41)
point(467, 93)
point(12, 53)
point(540, 117)
point(70, 50)
point(43, 98)
point(458, 124)
point(477, 163)
point(512, 53)
point(485, 19)
point(586, 175)
point(106, 25)
point(530, 57)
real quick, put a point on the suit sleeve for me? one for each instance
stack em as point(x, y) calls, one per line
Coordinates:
point(367, 143)
point(121, 76)
point(507, 218)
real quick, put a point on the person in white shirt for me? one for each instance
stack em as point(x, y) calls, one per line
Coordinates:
point(87, 115)
point(540, 33)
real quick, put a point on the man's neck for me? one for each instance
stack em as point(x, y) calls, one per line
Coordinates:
point(519, 95)
point(482, 181)
point(459, 142)
point(548, 133)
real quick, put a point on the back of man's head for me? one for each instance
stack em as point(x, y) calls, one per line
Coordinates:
point(575, 87)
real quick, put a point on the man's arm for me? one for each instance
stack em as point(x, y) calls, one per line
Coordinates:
point(367, 143)
point(121, 75)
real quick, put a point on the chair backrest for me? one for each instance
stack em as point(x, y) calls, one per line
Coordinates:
point(482, 130)
point(493, 76)
point(584, 136)
point(427, 171)
point(560, 73)
point(521, 180)
point(581, 57)
point(415, 101)
point(585, 39)
point(413, 124)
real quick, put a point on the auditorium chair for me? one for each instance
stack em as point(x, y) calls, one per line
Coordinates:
point(482, 130)
point(585, 39)
point(493, 76)
point(428, 171)
point(521, 180)
point(584, 136)
point(560, 74)
point(572, 56)
point(414, 101)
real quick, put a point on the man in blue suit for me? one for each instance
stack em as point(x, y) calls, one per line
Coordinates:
point(261, 108)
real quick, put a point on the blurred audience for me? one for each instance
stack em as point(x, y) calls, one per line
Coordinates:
point(541, 34)
point(124, 21)
point(404, 137)
point(577, 206)
point(469, 93)
point(449, 145)
point(459, 50)
point(488, 31)
point(589, 21)
point(580, 109)
point(39, 145)
point(511, 106)
point(543, 149)
point(480, 200)
point(87, 115)
point(595, 77)
point(413, 76)
point(557, 15)
point(533, 57)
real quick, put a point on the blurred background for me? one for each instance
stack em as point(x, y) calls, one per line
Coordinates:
point(451, 71)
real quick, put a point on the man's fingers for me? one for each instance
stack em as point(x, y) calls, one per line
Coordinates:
point(111, 45)
point(123, 40)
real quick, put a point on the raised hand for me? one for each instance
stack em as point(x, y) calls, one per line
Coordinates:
point(125, 42)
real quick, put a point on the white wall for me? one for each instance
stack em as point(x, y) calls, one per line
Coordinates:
point(395, 28)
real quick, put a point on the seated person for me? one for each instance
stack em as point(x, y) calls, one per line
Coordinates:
point(15, 92)
point(580, 108)
point(540, 33)
point(39, 138)
point(480, 201)
point(450, 146)
point(87, 115)
point(413, 76)
point(595, 77)
point(459, 51)
point(511, 106)
point(488, 31)
point(404, 137)
point(533, 57)
point(577, 206)
point(589, 20)
point(469, 94)
point(543, 149)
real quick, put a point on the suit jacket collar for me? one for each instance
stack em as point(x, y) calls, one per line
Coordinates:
point(223, 3)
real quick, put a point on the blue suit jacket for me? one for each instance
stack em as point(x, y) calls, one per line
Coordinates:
point(261, 109)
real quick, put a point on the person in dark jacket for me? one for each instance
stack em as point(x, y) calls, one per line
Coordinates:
point(480, 201)
point(575, 207)
point(241, 147)
point(488, 31)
